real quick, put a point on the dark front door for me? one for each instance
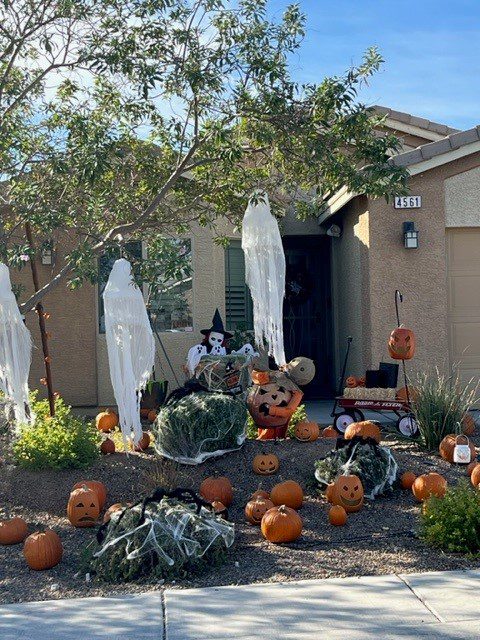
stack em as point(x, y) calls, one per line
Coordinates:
point(307, 308)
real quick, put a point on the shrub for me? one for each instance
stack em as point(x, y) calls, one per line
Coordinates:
point(61, 442)
point(452, 523)
point(299, 415)
point(439, 404)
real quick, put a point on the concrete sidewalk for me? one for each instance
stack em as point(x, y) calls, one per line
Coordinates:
point(428, 606)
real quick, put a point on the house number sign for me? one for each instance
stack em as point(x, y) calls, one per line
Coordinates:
point(407, 202)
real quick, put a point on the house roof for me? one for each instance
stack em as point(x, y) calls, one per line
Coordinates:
point(400, 118)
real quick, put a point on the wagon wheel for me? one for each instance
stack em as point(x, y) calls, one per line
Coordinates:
point(408, 426)
point(342, 420)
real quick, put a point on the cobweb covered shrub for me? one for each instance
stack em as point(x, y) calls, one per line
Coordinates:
point(199, 426)
point(452, 523)
point(62, 442)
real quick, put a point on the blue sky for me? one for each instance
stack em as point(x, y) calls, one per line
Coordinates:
point(431, 51)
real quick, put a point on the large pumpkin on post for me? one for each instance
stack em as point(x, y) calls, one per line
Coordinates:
point(306, 431)
point(218, 489)
point(43, 550)
point(83, 507)
point(347, 492)
point(364, 429)
point(13, 531)
point(281, 524)
point(106, 421)
point(289, 493)
point(447, 445)
point(401, 344)
point(265, 464)
point(429, 484)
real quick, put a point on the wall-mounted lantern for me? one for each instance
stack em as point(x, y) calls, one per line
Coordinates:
point(410, 235)
point(47, 253)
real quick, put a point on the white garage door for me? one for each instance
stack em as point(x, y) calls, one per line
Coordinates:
point(463, 272)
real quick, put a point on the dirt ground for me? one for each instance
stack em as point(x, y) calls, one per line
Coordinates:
point(380, 539)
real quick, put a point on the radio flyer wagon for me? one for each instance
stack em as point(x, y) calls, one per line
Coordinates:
point(352, 411)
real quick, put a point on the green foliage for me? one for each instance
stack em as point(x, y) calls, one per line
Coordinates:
point(61, 442)
point(299, 415)
point(452, 523)
point(439, 403)
point(193, 427)
point(181, 110)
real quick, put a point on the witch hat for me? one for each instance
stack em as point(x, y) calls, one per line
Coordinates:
point(217, 325)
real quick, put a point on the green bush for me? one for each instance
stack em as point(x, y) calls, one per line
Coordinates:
point(61, 442)
point(439, 404)
point(452, 523)
point(299, 414)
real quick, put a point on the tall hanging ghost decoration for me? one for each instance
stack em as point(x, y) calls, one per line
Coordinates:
point(130, 343)
point(15, 351)
point(265, 275)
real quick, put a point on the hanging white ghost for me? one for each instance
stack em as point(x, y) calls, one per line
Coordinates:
point(15, 351)
point(131, 346)
point(265, 275)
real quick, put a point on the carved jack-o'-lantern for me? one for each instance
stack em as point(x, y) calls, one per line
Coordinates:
point(265, 396)
point(83, 507)
point(307, 431)
point(256, 509)
point(346, 491)
point(401, 344)
point(265, 464)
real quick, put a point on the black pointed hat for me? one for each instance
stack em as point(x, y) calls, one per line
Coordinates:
point(217, 325)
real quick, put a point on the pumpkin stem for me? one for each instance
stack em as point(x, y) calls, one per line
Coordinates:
point(282, 508)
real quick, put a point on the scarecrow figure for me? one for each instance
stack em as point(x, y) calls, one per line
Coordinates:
point(276, 395)
point(214, 343)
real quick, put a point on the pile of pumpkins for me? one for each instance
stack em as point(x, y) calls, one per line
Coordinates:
point(107, 421)
point(86, 502)
point(41, 549)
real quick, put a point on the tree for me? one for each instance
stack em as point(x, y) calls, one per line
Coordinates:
point(168, 112)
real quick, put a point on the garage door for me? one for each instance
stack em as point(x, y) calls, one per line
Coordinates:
point(463, 272)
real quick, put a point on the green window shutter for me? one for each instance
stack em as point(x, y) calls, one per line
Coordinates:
point(238, 303)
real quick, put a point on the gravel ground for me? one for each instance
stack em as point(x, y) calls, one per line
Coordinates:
point(378, 540)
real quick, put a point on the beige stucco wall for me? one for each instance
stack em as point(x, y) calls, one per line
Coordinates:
point(462, 199)
point(350, 287)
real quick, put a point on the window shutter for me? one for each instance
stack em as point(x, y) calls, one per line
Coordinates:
point(238, 303)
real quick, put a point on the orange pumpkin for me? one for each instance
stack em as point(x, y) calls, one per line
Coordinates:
point(351, 382)
point(475, 475)
point(43, 550)
point(347, 492)
point(114, 507)
point(306, 431)
point(217, 488)
point(468, 425)
point(289, 493)
point(329, 432)
point(152, 416)
point(144, 413)
point(471, 467)
point(143, 443)
point(407, 479)
point(13, 531)
point(83, 507)
point(106, 421)
point(337, 515)
point(265, 464)
point(447, 446)
point(107, 446)
point(260, 493)
point(401, 394)
point(256, 509)
point(97, 486)
point(361, 381)
point(219, 507)
point(429, 484)
point(364, 429)
point(268, 395)
point(401, 344)
point(281, 524)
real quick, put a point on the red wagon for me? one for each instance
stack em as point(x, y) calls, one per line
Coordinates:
point(352, 411)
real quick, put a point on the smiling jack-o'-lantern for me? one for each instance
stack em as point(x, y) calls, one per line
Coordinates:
point(307, 431)
point(346, 491)
point(401, 344)
point(271, 406)
point(265, 464)
point(83, 507)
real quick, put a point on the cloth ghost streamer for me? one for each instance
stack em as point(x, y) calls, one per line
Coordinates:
point(265, 275)
point(130, 343)
point(15, 351)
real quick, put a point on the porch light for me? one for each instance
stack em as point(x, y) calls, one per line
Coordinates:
point(410, 235)
point(47, 253)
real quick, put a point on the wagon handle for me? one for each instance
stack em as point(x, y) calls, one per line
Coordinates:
point(399, 298)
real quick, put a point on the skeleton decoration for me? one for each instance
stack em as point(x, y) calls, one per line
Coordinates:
point(214, 344)
point(15, 351)
point(131, 346)
point(265, 275)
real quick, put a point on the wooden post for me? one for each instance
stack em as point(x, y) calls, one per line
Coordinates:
point(41, 321)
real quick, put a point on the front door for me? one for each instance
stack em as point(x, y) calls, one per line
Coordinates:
point(307, 309)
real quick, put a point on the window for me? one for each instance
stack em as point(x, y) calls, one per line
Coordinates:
point(170, 299)
point(238, 302)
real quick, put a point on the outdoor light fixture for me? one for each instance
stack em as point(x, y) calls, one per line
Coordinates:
point(410, 235)
point(47, 253)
